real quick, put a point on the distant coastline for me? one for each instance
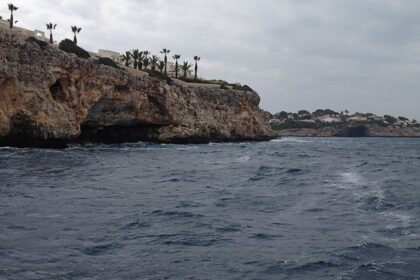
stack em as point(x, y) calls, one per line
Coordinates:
point(329, 123)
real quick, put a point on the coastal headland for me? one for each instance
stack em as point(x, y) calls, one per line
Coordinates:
point(328, 123)
point(50, 98)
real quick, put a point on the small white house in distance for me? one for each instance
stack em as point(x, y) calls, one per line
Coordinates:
point(358, 118)
point(109, 54)
point(329, 119)
point(171, 70)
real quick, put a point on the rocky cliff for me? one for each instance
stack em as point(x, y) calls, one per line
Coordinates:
point(51, 98)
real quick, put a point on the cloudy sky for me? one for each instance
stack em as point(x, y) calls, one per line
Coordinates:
point(360, 55)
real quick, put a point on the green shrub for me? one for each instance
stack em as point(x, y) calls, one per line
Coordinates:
point(282, 115)
point(322, 112)
point(247, 88)
point(158, 75)
point(70, 47)
point(108, 62)
point(390, 119)
point(41, 44)
point(223, 87)
point(241, 87)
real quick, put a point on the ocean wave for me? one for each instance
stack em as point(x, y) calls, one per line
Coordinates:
point(176, 214)
point(252, 211)
point(100, 249)
point(189, 240)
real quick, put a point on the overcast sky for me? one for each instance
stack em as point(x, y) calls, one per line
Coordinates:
point(360, 55)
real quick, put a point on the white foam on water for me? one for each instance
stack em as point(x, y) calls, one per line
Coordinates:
point(398, 219)
point(352, 181)
point(361, 188)
point(243, 159)
point(352, 178)
point(290, 139)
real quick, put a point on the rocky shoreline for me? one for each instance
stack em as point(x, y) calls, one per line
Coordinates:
point(350, 130)
point(49, 98)
point(358, 131)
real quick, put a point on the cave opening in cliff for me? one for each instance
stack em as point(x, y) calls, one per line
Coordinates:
point(119, 133)
point(57, 91)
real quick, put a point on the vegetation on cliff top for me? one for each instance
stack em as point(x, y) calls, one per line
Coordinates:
point(141, 60)
point(40, 43)
point(75, 31)
point(108, 62)
point(12, 8)
point(50, 27)
point(70, 47)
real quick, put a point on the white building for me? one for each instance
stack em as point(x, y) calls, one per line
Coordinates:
point(109, 54)
point(25, 33)
point(358, 118)
point(329, 119)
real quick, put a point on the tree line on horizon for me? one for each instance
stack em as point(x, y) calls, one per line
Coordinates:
point(306, 115)
point(140, 58)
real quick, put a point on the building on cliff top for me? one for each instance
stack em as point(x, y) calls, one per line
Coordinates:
point(116, 57)
point(26, 33)
point(23, 32)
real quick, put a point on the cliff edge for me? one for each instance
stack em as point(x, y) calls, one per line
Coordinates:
point(52, 98)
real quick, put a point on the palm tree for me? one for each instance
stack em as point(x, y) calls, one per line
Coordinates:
point(127, 58)
point(50, 27)
point(142, 55)
point(154, 60)
point(176, 57)
point(12, 8)
point(75, 30)
point(165, 52)
point(197, 59)
point(186, 66)
point(161, 66)
point(135, 55)
point(139, 61)
point(146, 62)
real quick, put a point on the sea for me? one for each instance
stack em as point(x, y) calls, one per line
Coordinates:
point(292, 208)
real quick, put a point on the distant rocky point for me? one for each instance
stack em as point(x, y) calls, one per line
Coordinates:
point(49, 98)
point(328, 123)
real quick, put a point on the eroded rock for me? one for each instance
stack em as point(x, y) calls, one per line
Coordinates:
point(48, 97)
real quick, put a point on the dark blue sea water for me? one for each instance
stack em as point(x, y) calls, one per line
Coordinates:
point(287, 209)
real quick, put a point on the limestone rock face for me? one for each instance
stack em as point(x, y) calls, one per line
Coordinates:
point(50, 98)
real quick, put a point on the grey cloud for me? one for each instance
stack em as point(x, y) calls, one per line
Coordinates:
point(361, 55)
